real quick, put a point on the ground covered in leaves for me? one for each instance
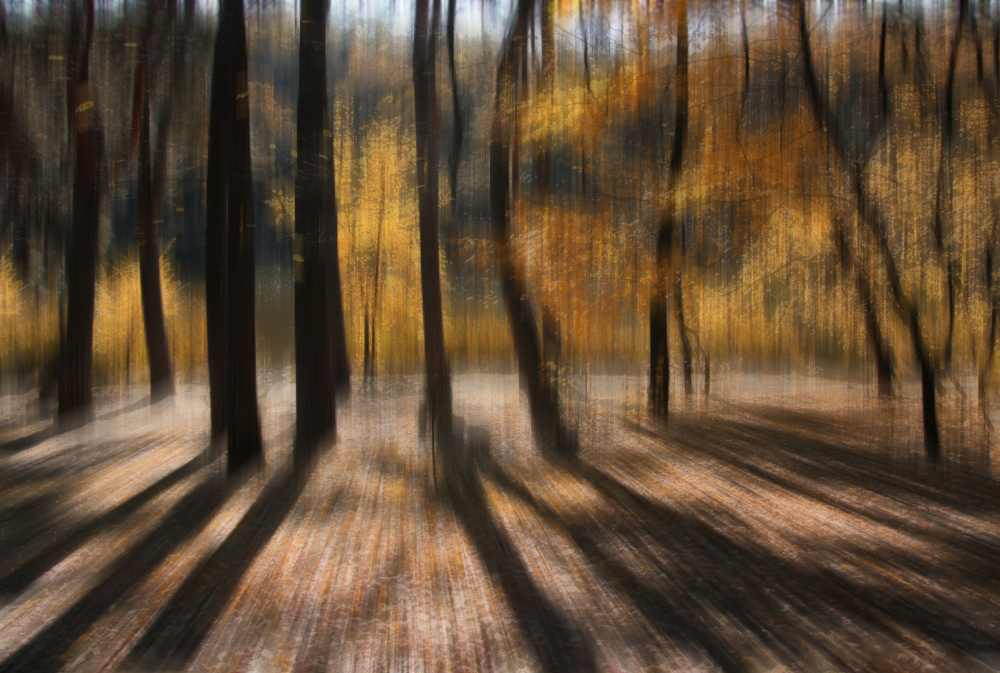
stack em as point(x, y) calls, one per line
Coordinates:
point(779, 525)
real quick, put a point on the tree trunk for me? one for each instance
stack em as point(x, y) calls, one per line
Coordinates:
point(216, 263)
point(75, 402)
point(544, 407)
point(314, 399)
point(230, 123)
point(659, 354)
point(869, 214)
point(456, 107)
point(667, 249)
point(428, 130)
point(878, 344)
point(161, 379)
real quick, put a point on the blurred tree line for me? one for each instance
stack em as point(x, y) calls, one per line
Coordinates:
point(660, 189)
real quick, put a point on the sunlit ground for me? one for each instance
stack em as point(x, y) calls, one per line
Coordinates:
point(781, 524)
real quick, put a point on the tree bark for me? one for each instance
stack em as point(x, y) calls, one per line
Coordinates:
point(150, 191)
point(229, 123)
point(667, 248)
point(456, 106)
point(75, 402)
point(216, 252)
point(314, 398)
point(869, 214)
point(546, 421)
point(428, 131)
point(161, 379)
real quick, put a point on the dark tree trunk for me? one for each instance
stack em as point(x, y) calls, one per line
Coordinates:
point(151, 183)
point(81, 256)
point(871, 217)
point(371, 342)
point(161, 379)
point(879, 346)
point(544, 407)
point(216, 263)
point(314, 399)
point(428, 130)
point(230, 124)
point(456, 150)
point(668, 253)
point(659, 354)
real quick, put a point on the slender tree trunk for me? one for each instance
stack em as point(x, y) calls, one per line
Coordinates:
point(878, 344)
point(161, 379)
point(869, 215)
point(314, 398)
point(659, 353)
point(667, 249)
point(944, 162)
point(75, 402)
point(456, 150)
point(545, 416)
point(372, 354)
point(216, 251)
point(151, 183)
point(428, 130)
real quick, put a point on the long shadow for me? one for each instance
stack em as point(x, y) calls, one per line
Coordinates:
point(172, 640)
point(33, 439)
point(19, 578)
point(670, 617)
point(974, 552)
point(19, 444)
point(755, 585)
point(129, 408)
point(20, 524)
point(801, 465)
point(43, 652)
point(77, 459)
point(555, 643)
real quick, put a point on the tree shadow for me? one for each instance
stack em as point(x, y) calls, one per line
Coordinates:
point(556, 644)
point(184, 521)
point(704, 577)
point(31, 440)
point(21, 523)
point(19, 578)
point(173, 638)
point(143, 403)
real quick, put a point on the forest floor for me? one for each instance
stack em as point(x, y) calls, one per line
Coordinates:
point(781, 524)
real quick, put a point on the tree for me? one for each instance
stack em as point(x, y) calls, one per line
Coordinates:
point(428, 132)
point(871, 217)
point(669, 244)
point(151, 187)
point(314, 399)
point(535, 377)
point(230, 203)
point(75, 401)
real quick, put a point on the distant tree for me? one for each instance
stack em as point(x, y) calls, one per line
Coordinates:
point(75, 401)
point(314, 398)
point(151, 186)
